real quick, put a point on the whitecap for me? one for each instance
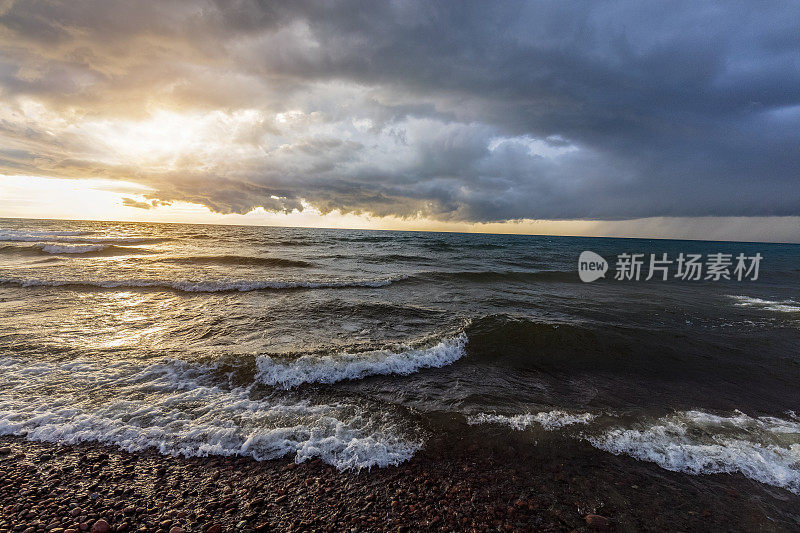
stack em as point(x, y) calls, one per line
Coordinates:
point(351, 366)
point(766, 449)
point(782, 306)
point(11, 234)
point(71, 248)
point(67, 237)
point(178, 409)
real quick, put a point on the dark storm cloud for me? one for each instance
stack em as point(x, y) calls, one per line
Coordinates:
point(469, 111)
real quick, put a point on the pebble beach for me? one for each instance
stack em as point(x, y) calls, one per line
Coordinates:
point(453, 486)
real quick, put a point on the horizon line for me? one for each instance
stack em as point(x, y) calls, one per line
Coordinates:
point(405, 230)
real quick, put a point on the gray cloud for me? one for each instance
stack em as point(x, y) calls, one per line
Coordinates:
point(130, 202)
point(455, 110)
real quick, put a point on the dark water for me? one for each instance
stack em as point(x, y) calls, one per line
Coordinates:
point(345, 345)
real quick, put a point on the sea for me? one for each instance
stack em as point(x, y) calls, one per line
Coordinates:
point(359, 347)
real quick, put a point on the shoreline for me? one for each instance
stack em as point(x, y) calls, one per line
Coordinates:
point(452, 485)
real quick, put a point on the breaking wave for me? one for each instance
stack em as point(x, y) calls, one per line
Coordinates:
point(332, 368)
point(88, 250)
point(10, 234)
point(765, 449)
point(79, 237)
point(71, 248)
point(178, 409)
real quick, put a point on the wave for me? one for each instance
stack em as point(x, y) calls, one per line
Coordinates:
point(78, 239)
point(781, 306)
point(13, 233)
point(374, 308)
point(519, 342)
point(39, 249)
point(293, 242)
point(549, 420)
point(438, 246)
point(71, 248)
point(238, 260)
point(488, 276)
point(391, 258)
point(484, 246)
point(766, 449)
point(84, 250)
point(368, 239)
point(512, 339)
point(201, 286)
point(178, 409)
point(333, 368)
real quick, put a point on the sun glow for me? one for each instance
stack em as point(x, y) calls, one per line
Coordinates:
point(164, 139)
point(115, 169)
point(174, 140)
point(93, 199)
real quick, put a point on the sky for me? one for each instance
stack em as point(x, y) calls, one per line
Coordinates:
point(660, 119)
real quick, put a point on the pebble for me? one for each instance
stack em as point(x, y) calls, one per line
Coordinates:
point(101, 526)
point(472, 493)
point(596, 521)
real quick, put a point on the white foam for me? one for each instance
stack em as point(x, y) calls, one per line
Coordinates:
point(73, 237)
point(782, 306)
point(177, 408)
point(202, 286)
point(766, 449)
point(9, 234)
point(346, 366)
point(549, 420)
point(71, 248)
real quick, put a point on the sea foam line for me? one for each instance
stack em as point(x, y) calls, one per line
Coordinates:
point(346, 366)
point(783, 306)
point(548, 420)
